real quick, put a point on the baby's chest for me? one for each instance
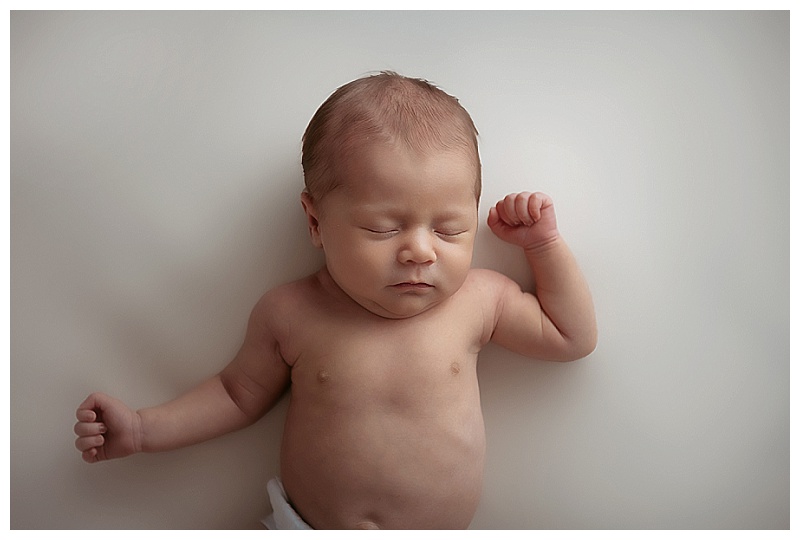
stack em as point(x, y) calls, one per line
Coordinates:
point(393, 362)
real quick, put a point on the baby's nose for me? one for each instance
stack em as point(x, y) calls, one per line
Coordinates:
point(418, 248)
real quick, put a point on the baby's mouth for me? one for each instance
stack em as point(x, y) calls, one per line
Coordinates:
point(412, 285)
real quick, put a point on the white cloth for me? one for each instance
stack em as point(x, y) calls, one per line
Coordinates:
point(283, 517)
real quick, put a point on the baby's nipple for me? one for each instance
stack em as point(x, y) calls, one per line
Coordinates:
point(323, 376)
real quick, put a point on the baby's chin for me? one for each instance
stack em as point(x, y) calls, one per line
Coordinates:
point(398, 314)
point(397, 310)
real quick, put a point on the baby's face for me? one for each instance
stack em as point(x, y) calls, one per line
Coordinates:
point(398, 233)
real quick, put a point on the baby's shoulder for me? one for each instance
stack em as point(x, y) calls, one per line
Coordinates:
point(284, 303)
point(486, 289)
point(487, 283)
point(481, 296)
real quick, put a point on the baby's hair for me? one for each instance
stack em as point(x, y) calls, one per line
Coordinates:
point(386, 108)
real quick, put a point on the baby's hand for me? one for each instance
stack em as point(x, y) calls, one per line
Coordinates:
point(106, 429)
point(525, 219)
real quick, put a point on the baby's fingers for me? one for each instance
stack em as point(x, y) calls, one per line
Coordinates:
point(522, 208)
point(86, 415)
point(87, 443)
point(90, 438)
point(510, 210)
point(536, 203)
point(85, 429)
point(90, 456)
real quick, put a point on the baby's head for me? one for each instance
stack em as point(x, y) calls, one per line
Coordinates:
point(392, 185)
point(390, 109)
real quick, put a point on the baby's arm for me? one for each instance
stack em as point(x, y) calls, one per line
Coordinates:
point(558, 322)
point(238, 396)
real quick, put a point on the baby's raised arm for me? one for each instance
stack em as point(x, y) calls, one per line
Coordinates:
point(236, 397)
point(558, 322)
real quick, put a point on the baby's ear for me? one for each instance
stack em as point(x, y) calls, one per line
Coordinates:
point(312, 215)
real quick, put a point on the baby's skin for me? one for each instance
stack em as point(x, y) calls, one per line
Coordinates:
point(379, 348)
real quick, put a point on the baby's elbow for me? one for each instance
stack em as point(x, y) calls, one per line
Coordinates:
point(582, 353)
point(581, 348)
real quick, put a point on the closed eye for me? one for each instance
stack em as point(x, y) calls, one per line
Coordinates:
point(382, 232)
point(448, 233)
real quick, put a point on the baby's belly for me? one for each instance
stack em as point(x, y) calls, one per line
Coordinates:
point(368, 460)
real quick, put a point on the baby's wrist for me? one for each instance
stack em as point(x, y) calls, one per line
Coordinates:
point(137, 432)
point(543, 245)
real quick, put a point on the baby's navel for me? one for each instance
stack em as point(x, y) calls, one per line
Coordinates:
point(455, 368)
point(322, 376)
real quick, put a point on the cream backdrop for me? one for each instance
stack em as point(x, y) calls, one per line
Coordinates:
point(154, 197)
